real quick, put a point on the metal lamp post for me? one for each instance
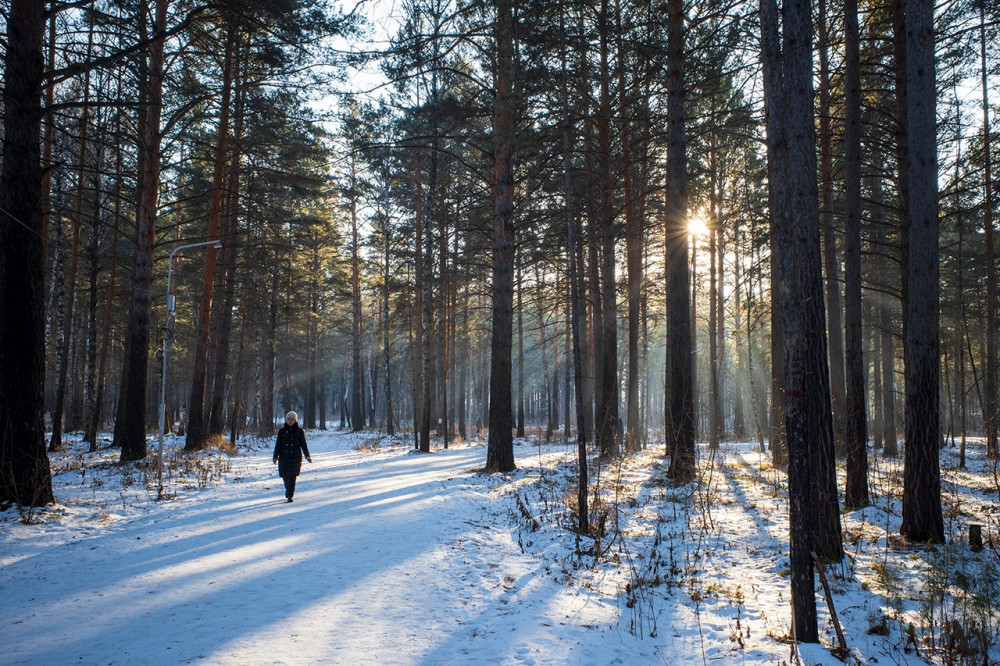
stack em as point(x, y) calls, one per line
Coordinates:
point(166, 337)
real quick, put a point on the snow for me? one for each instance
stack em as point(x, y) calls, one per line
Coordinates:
point(392, 557)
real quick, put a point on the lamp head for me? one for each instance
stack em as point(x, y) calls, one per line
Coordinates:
point(218, 245)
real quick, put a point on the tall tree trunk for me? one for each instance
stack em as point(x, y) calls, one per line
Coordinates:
point(787, 186)
point(887, 357)
point(833, 300)
point(197, 431)
point(583, 512)
point(739, 409)
point(50, 122)
point(25, 477)
point(807, 379)
point(546, 396)
point(220, 353)
point(444, 337)
point(990, 412)
point(312, 350)
point(268, 354)
point(607, 422)
point(55, 443)
point(427, 315)
point(633, 250)
point(390, 421)
point(921, 516)
point(680, 370)
point(520, 347)
point(130, 426)
point(93, 273)
point(500, 446)
point(900, 49)
point(856, 413)
point(463, 372)
point(714, 397)
point(93, 420)
point(417, 333)
point(961, 332)
point(357, 419)
point(777, 170)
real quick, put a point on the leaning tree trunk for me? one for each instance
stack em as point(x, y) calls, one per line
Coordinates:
point(856, 414)
point(25, 477)
point(680, 367)
point(500, 445)
point(922, 520)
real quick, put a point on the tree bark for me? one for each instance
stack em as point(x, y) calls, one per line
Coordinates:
point(427, 281)
point(520, 348)
point(25, 477)
point(197, 432)
point(500, 445)
point(856, 413)
point(130, 426)
point(899, 48)
point(390, 421)
point(222, 342)
point(55, 443)
point(797, 148)
point(777, 211)
point(357, 419)
point(990, 405)
point(633, 250)
point(834, 302)
point(583, 512)
point(714, 323)
point(921, 516)
point(680, 366)
point(607, 423)
point(93, 419)
point(267, 354)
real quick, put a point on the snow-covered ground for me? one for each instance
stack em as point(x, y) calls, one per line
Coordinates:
point(392, 557)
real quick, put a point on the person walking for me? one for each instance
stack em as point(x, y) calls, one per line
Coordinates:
point(288, 452)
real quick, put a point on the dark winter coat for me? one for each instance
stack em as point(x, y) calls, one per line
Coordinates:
point(289, 449)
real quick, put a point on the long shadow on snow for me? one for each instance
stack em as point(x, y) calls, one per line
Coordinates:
point(151, 621)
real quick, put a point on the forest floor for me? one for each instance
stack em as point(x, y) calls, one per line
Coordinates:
point(392, 557)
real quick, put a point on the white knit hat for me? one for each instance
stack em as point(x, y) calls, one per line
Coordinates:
point(293, 416)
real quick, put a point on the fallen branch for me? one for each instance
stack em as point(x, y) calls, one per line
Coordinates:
point(842, 651)
point(527, 513)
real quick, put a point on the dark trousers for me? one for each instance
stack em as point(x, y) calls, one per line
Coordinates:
point(289, 480)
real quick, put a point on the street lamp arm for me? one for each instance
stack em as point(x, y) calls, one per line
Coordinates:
point(217, 244)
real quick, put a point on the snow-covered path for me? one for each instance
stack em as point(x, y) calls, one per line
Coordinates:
point(384, 558)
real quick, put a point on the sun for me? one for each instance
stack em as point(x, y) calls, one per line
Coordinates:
point(697, 225)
